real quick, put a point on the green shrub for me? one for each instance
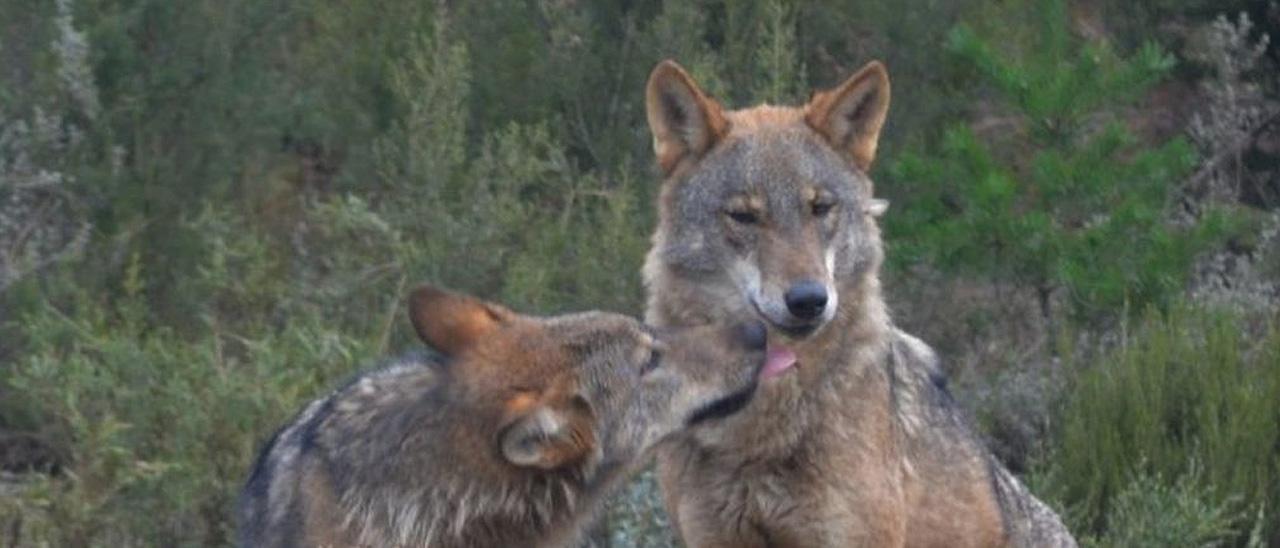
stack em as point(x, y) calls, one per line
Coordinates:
point(158, 427)
point(1063, 197)
point(1189, 386)
point(1151, 512)
point(158, 431)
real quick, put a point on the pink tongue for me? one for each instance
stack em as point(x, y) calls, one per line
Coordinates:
point(777, 361)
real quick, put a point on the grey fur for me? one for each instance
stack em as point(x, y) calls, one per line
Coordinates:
point(401, 456)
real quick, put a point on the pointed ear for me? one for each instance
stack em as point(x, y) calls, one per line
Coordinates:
point(851, 115)
point(684, 121)
point(546, 439)
point(451, 322)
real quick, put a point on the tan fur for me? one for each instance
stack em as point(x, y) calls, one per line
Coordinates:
point(860, 445)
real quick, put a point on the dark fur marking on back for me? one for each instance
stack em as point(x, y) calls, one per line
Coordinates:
point(939, 380)
point(891, 373)
point(263, 471)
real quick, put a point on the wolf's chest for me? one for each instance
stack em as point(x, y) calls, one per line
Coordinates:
point(793, 508)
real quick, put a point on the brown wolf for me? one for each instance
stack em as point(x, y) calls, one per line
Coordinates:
point(512, 438)
point(768, 213)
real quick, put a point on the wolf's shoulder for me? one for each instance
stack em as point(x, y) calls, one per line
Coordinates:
point(386, 389)
point(268, 500)
point(1030, 521)
point(920, 397)
point(916, 362)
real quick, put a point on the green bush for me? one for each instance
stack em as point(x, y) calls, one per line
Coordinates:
point(1150, 512)
point(1063, 196)
point(1192, 397)
point(159, 430)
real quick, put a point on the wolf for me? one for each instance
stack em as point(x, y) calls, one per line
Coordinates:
point(768, 213)
point(511, 435)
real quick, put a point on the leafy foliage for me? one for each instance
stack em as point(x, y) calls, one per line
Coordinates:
point(1063, 196)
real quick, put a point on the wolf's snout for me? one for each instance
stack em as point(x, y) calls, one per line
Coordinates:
point(753, 335)
point(806, 300)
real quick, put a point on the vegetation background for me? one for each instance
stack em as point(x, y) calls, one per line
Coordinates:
point(210, 211)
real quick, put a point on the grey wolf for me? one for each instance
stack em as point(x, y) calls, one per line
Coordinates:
point(512, 435)
point(768, 213)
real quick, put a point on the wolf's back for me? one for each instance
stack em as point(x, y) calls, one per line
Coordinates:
point(290, 482)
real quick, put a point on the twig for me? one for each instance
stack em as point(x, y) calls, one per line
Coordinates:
point(1206, 171)
point(385, 338)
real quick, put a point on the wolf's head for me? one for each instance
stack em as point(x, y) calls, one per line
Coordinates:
point(584, 389)
point(767, 211)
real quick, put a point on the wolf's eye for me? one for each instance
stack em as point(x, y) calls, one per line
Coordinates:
point(743, 217)
point(821, 209)
point(655, 359)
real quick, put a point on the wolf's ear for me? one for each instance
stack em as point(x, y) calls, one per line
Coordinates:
point(451, 322)
point(684, 121)
point(850, 116)
point(546, 439)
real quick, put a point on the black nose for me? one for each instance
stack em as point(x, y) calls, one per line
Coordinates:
point(753, 335)
point(806, 299)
